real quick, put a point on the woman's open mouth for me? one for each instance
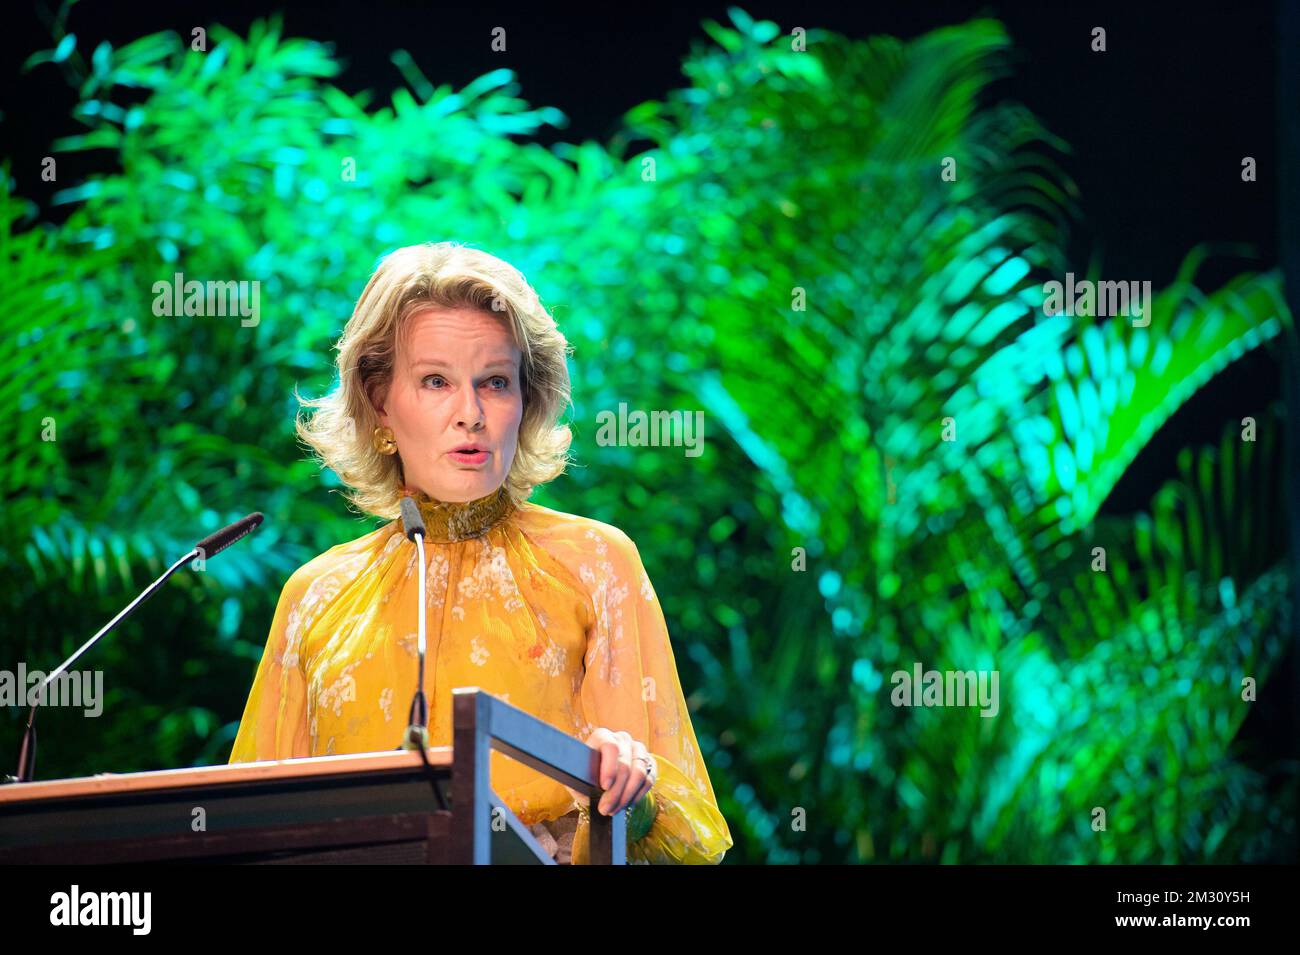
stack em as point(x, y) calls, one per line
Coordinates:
point(475, 456)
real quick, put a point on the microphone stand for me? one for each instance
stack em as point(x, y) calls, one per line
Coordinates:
point(417, 732)
point(210, 546)
point(27, 754)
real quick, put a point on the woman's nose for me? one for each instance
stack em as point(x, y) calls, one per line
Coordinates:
point(471, 410)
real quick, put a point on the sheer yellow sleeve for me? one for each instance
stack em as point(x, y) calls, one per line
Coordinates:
point(631, 684)
point(274, 725)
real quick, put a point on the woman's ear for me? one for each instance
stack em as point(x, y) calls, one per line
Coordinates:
point(378, 395)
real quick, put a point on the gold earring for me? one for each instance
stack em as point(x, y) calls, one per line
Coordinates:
point(384, 440)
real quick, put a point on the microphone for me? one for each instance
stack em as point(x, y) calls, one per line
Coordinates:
point(417, 733)
point(216, 542)
point(210, 546)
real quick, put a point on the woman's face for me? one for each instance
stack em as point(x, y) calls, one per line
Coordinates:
point(455, 384)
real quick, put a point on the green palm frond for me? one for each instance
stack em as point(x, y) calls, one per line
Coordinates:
point(1158, 645)
point(1118, 382)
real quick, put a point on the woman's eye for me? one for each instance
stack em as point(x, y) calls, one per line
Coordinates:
point(504, 382)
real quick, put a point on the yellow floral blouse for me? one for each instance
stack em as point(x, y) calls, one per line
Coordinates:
point(551, 612)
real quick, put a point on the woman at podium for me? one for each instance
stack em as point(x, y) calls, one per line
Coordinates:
point(452, 378)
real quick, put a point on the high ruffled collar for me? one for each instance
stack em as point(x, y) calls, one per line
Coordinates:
point(448, 521)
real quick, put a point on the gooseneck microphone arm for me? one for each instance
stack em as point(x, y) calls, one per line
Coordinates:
point(417, 733)
point(210, 546)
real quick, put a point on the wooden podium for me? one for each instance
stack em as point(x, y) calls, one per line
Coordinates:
point(364, 808)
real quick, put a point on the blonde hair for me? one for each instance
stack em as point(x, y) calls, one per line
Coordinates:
point(407, 281)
